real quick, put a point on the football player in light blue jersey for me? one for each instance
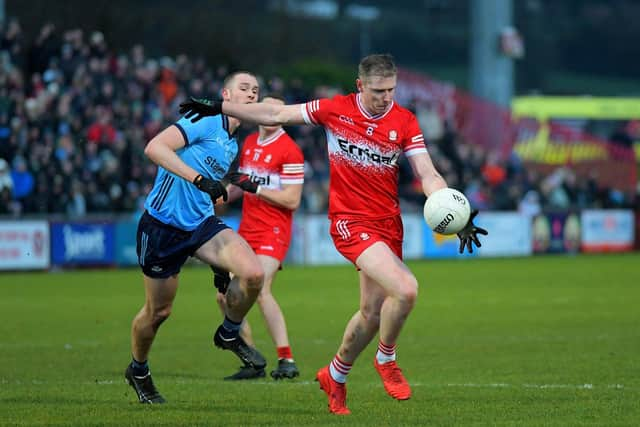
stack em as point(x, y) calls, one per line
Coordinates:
point(179, 221)
point(210, 149)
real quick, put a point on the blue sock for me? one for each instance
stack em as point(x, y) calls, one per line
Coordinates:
point(230, 329)
point(140, 369)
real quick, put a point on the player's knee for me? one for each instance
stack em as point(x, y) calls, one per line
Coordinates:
point(408, 291)
point(159, 316)
point(370, 316)
point(264, 296)
point(255, 278)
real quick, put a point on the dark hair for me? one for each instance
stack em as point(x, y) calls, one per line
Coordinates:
point(381, 65)
point(227, 80)
point(275, 95)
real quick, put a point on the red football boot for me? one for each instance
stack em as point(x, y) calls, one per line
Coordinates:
point(336, 392)
point(394, 382)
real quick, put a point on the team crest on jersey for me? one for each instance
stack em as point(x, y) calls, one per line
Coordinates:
point(364, 236)
point(393, 135)
point(268, 158)
point(247, 152)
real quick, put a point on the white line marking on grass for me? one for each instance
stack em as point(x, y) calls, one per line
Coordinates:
point(305, 383)
point(472, 385)
point(536, 386)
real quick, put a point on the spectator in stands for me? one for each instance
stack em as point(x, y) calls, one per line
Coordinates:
point(6, 187)
point(530, 204)
point(102, 131)
point(23, 181)
point(77, 204)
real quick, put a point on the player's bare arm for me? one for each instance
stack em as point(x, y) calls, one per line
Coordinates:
point(424, 169)
point(265, 113)
point(288, 197)
point(162, 151)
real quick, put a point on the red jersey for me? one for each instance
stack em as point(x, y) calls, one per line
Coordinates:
point(271, 162)
point(363, 154)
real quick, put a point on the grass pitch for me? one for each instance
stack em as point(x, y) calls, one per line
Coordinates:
point(531, 341)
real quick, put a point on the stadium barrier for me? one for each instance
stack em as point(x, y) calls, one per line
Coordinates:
point(42, 245)
point(24, 245)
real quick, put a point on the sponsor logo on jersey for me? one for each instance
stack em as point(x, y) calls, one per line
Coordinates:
point(393, 135)
point(354, 150)
point(216, 167)
point(260, 180)
point(346, 119)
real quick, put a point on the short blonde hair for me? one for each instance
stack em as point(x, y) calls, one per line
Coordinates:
point(381, 65)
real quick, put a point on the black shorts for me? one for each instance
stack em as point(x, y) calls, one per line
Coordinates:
point(163, 249)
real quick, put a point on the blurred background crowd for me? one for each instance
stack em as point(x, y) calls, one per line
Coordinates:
point(76, 114)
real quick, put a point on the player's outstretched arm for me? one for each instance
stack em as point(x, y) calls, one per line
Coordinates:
point(469, 234)
point(261, 113)
point(264, 113)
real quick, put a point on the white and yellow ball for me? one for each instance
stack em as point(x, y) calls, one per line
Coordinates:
point(447, 211)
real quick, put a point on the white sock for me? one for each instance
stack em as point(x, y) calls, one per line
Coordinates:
point(386, 353)
point(339, 370)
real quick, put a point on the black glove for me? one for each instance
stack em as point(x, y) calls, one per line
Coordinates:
point(469, 234)
point(221, 279)
point(199, 108)
point(215, 189)
point(243, 181)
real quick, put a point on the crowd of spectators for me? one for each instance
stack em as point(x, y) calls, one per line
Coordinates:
point(75, 117)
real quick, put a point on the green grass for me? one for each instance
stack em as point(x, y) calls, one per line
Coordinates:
point(507, 342)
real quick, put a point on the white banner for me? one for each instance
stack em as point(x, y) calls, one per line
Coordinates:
point(607, 230)
point(509, 234)
point(413, 244)
point(319, 247)
point(24, 245)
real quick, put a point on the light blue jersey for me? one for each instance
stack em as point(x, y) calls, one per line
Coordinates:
point(209, 150)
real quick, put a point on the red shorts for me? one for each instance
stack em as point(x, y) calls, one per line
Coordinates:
point(352, 236)
point(269, 244)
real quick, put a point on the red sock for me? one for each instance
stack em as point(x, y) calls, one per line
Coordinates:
point(284, 352)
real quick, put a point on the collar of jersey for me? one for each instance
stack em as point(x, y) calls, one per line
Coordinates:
point(270, 139)
point(366, 114)
point(225, 126)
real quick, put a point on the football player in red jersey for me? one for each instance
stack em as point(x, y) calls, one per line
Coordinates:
point(366, 133)
point(271, 174)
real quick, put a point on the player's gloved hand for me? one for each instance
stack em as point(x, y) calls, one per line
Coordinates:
point(221, 279)
point(243, 181)
point(197, 108)
point(215, 189)
point(469, 234)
